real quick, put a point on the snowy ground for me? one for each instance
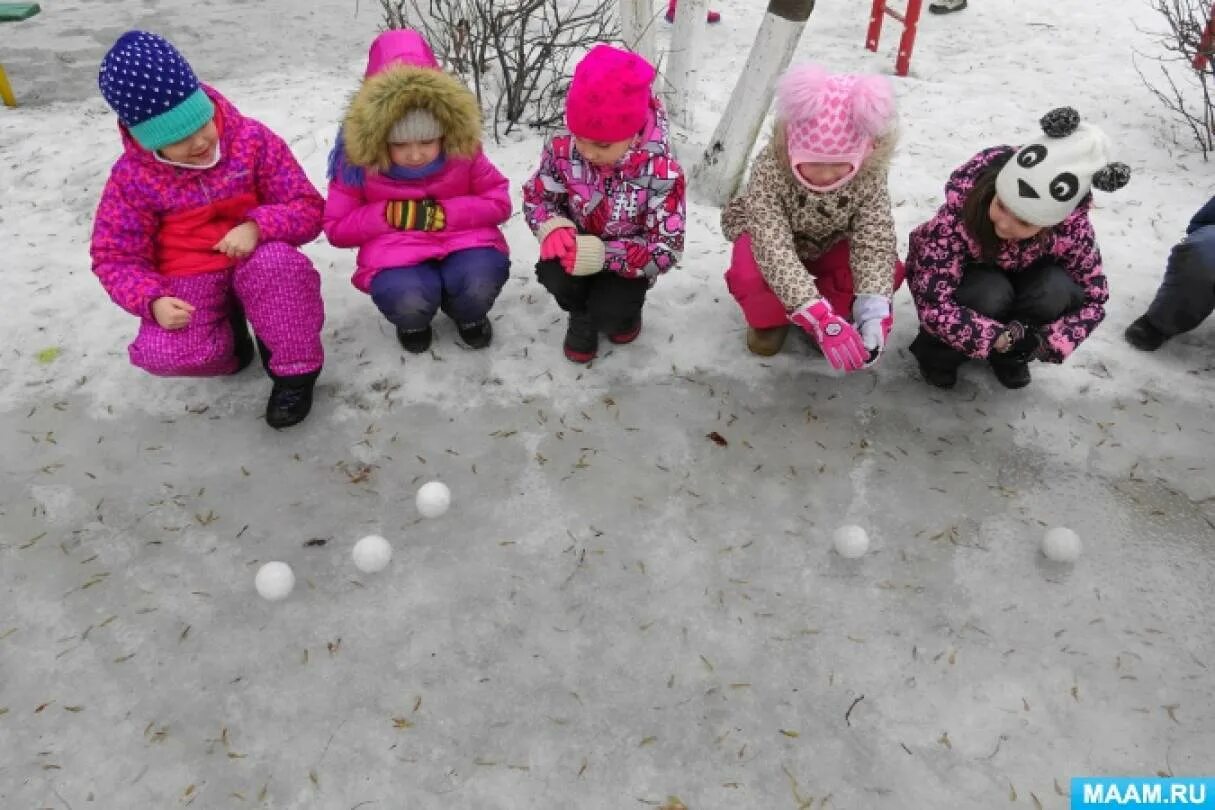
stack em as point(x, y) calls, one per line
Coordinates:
point(617, 610)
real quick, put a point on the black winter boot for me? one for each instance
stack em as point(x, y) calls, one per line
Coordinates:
point(290, 400)
point(1143, 336)
point(939, 376)
point(415, 341)
point(477, 334)
point(938, 363)
point(581, 338)
point(1011, 374)
point(627, 332)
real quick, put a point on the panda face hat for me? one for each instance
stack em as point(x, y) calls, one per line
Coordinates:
point(1047, 178)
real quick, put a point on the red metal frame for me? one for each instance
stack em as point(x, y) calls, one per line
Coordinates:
point(1201, 59)
point(910, 18)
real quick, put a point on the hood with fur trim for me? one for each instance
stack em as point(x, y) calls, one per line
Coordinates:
point(403, 75)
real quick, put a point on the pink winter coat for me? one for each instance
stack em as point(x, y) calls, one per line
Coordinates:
point(141, 191)
point(403, 73)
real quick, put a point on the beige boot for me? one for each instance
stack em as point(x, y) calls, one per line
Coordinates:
point(766, 342)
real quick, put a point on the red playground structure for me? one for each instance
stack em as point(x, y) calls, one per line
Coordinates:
point(1203, 57)
point(909, 19)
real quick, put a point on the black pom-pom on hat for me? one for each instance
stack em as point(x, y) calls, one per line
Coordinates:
point(1060, 122)
point(1112, 176)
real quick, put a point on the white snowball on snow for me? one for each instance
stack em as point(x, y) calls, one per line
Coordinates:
point(274, 581)
point(1061, 544)
point(433, 499)
point(851, 542)
point(371, 554)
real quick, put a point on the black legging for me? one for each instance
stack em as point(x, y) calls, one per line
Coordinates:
point(1034, 297)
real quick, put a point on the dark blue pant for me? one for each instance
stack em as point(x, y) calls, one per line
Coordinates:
point(465, 285)
point(1187, 294)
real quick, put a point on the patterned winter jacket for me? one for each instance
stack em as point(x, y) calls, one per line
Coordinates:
point(636, 207)
point(141, 191)
point(941, 248)
point(791, 225)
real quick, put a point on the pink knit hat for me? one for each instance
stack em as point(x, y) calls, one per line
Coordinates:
point(609, 97)
point(832, 118)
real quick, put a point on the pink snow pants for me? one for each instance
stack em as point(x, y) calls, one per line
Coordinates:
point(280, 291)
point(763, 310)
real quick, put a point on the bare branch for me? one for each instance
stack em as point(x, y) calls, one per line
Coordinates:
point(1189, 52)
point(516, 55)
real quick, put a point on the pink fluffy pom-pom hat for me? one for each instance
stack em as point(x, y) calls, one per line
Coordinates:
point(833, 118)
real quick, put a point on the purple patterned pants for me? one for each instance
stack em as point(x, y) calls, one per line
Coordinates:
point(280, 292)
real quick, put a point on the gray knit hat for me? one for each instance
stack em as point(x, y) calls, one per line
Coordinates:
point(416, 125)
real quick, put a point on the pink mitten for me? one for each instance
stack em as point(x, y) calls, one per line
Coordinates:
point(841, 343)
point(557, 244)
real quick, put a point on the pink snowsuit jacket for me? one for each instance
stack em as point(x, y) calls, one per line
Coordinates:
point(475, 196)
point(141, 190)
point(940, 249)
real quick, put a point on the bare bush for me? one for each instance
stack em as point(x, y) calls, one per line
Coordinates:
point(517, 55)
point(1186, 67)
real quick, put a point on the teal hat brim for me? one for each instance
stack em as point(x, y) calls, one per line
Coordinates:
point(176, 123)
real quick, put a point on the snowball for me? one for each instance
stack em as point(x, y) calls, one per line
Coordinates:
point(371, 554)
point(851, 542)
point(433, 499)
point(1061, 545)
point(274, 581)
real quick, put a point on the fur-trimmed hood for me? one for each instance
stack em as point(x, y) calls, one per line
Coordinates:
point(402, 74)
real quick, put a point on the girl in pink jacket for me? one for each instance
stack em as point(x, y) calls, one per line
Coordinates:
point(607, 202)
point(410, 187)
point(199, 227)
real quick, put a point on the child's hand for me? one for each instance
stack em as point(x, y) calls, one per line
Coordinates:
point(841, 343)
point(584, 243)
point(557, 243)
point(1021, 343)
point(871, 313)
point(240, 241)
point(416, 215)
point(172, 313)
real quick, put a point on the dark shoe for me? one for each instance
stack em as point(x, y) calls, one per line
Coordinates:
point(1143, 336)
point(939, 376)
point(290, 400)
point(627, 333)
point(766, 342)
point(242, 340)
point(1012, 375)
point(581, 338)
point(415, 341)
point(947, 6)
point(477, 334)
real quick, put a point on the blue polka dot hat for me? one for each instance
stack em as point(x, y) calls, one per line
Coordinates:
point(153, 89)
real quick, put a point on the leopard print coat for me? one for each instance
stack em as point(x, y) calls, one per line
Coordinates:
point(791, 226)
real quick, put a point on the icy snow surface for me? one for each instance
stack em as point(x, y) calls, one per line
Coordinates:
point(617, 610)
